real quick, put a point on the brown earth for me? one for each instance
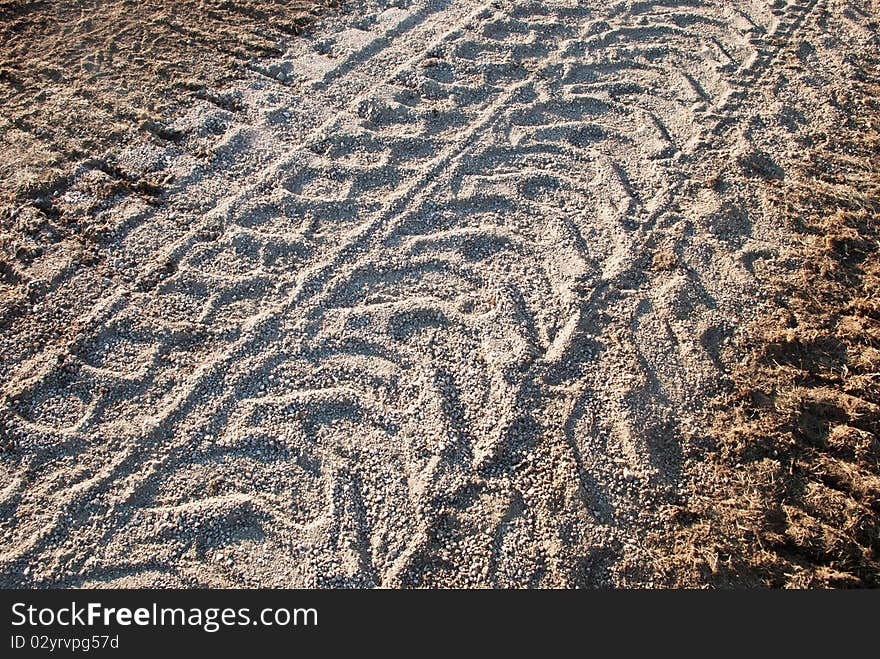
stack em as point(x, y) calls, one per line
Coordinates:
point(78, 77)
point(793, 495)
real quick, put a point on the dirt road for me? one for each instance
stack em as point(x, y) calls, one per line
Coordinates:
point(433, 298)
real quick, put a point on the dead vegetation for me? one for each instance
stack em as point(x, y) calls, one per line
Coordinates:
point(792, 495)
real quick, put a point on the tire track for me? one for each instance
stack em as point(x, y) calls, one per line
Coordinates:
point(386, 349)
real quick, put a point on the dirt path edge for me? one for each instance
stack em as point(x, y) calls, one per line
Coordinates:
point(792, 495)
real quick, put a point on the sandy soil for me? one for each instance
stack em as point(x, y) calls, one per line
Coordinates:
point(78, 78)
point(436, 296)
point(789, 492)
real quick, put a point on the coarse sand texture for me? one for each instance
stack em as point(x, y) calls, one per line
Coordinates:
point(432, 298)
